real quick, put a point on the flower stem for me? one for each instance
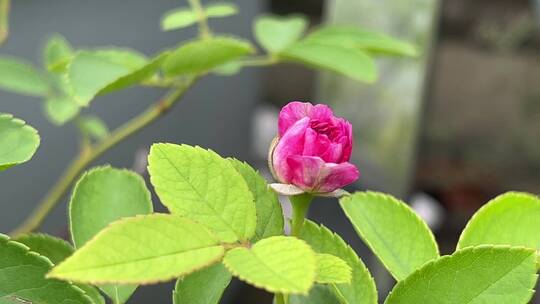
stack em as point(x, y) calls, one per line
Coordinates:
point(90, 153)
point(279, 298)
point(300, 206)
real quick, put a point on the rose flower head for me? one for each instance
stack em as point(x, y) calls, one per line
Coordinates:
point(313, 149)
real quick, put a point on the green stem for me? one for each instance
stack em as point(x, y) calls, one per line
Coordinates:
point(204, 29)
point(4, 20)
point(280, 299)
point(300, 206)
point(89, 154)
point(260, 61)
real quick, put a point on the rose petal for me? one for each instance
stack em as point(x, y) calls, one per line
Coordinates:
point(312, 174)
point(291, 113)
point(292, 143)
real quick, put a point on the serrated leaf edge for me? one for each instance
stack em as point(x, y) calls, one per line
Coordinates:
point(273, 290)
point(409, 211)
point(250, 234)
point(5, 239)
point(350, 251)
point(21, 123)
point(419, 271)
point(493, 202)
point(122, 221)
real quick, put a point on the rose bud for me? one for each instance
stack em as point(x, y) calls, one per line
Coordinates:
point(312, 150)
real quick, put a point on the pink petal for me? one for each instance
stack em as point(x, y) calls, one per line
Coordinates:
point(292, 143)
point(312, 174)
point(291, 113)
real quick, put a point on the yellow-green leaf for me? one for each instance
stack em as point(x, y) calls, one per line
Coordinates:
point(277, 264)
point(142, 250)
point(331, 269)
point(392, 230)
point(201, 185)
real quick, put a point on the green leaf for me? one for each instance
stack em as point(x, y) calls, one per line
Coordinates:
point(57, 54)
point(352, 63)
point(203, 55)
point(142, 250)
point(477, 275)
point(276, 33)
point(102, 196)
point(268, 208)
point(216, 10)
point(178, 18)
point(21, 77)
point(361, 290)
point(93, 127)
point(22, 278)
point(509, 219)
point(205, 286)
point(392, 230)
point(138, 75)
point(18, 141)
point(185, 16)
point(56, 250)
point(201, 185)
point(319, 294)
point(371, 42)
point(93, 72)
point(60, 110)
point(277, 264)
point(331, 269)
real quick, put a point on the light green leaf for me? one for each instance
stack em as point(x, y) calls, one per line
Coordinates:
point(268, 208)
point(331, 269)
point(57, 250)
point(216, 10)
point(352, 63)
point(60, 110)
point(477, 275)
point(392, 230)
point(22, 278)
point(276, 33)
point(91, 72)
point(138, 75)
point(203, 55)
point(21, 77)
point(102, 196)
point(201, 185)
point(93, 127)
point(205, 286)
point(509, 219)
point(178, 18)
point(142, 250)
point(361, 290)
point(57, 53)
point(277, 264)
point(228, 69)
point(371, 42)
point(185, 16)
point(18, 141)
point(319, 294)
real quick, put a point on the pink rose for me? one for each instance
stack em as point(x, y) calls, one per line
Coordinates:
point(313, 148)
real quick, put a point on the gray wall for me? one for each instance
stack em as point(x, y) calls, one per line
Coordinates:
point(214, 114)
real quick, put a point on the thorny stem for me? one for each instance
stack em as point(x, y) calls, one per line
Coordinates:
point(91, 152)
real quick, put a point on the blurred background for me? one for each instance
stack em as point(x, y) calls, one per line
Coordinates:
point(446, 131)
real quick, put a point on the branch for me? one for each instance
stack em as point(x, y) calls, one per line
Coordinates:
point(86, 156)
point(4, 20)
